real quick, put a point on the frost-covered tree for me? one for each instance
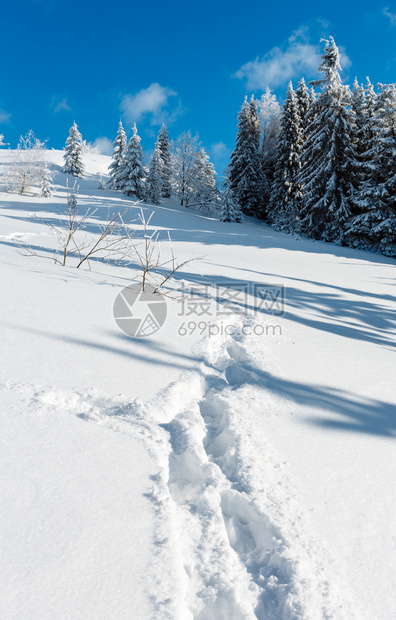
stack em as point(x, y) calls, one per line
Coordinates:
point(230, 211)
point(27, 167)
point(312, 110)
point(369, 127)
point(246, 177)
point(72, 198)
point(184, 157)
point(328, 157)
point(312, 95)
point(154, 179)
point(193, 175)
point(73, 153)
point(90, 148)
point(237, 163)
point(164, 146)
point(359, 109)
point(285, 195)
point(133, 177)
point(303, 102)
point(46, 190)
point(116, 167)
point(270, 115)
point(205, 178)
point(375, 225)
point(101, 182)
point(371, 98)
point(361, 143)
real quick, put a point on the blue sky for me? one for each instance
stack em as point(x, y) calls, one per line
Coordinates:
point(188, 64)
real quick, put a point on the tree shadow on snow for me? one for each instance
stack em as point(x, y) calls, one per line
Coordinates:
point(346, 411)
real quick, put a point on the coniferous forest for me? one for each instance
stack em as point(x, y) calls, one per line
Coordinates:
point(323, 165)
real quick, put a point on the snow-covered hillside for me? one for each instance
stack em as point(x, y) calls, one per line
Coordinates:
point(234, 465)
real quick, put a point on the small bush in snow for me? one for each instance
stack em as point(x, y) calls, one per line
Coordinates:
point(28, 165)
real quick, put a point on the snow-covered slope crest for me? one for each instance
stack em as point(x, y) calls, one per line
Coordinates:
point(229, 526)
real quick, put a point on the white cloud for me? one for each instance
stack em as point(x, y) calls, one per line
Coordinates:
point(103, 145)
point(220, 150)
point(220, 155)
point(58, 105)
point(346, 62)
point(152, 101)
point(391, 16)
point(291, 61)
point(4, 116)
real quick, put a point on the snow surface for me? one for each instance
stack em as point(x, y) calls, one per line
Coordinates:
point(213, 477)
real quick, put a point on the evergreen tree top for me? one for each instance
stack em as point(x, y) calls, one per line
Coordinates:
point(163, 138)
point(330, 66)
point(121, 135)
point(134, 141)
point(304, 99)
point(74, 130)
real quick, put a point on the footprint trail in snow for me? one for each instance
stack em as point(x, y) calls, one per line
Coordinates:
point(231, 540)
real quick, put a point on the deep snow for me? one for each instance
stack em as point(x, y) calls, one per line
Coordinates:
point(195, 477)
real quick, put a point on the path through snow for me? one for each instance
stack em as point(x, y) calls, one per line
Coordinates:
point(231, 540)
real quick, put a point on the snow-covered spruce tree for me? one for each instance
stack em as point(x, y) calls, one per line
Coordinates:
point(285, 194)
point(193, 175)
point(115, 168)
point(27, 166)
point(132, 179)
point(46, 182)
point(154, 179)
point(375, 226)
point(368, 130)
point(245, 173)
point(205, 178)
point(237, 163)
point(359, 109)
point(164, 146)
point(73, 153)
point(303, 101)
point(362, 146)
point(328, 158)
point(312, 96)
point(312, 110)
point(371, 99)
point(230, 211)
point(101, 182)
point(270, 115)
